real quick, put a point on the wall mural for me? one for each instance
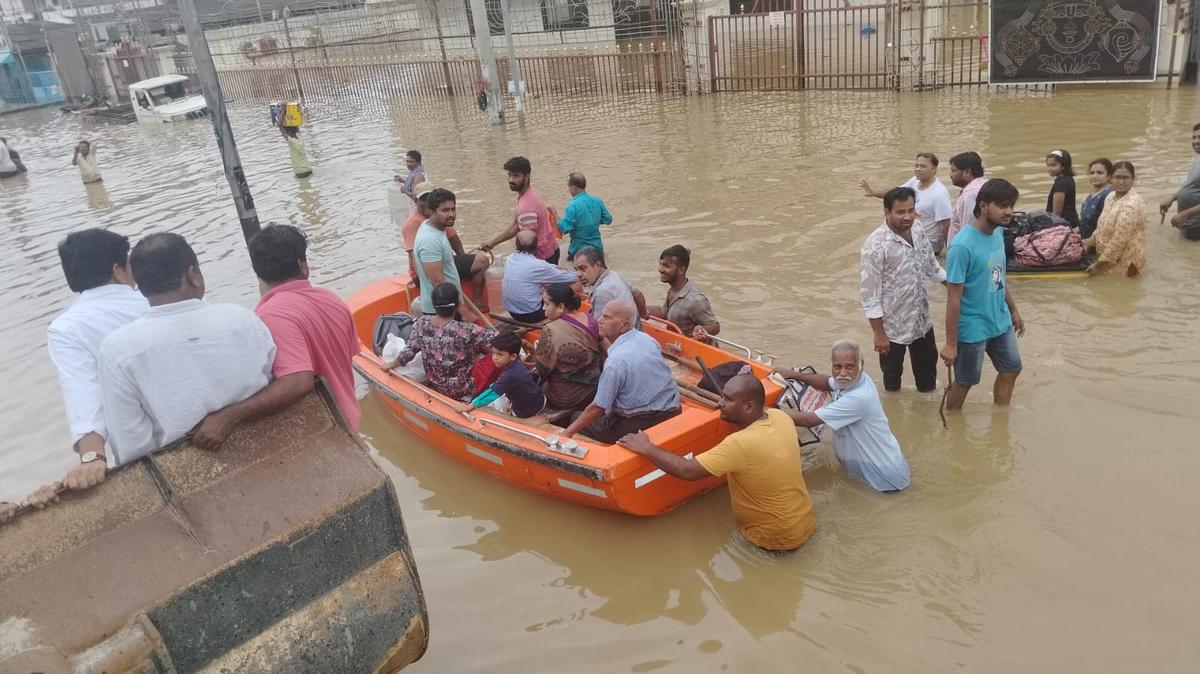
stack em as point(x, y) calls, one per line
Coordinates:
point(1073, 40)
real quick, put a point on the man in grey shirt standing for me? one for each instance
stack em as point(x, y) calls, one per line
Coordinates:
point(1187, 218)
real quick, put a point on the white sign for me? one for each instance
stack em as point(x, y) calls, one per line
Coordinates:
point(512, 87)
point(776, 19)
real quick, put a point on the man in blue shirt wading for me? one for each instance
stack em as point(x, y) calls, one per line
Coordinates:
point(862, 438)
point(981, 316)
point(583, 217)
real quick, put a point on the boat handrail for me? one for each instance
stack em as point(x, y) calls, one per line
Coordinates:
point(552, 442)
point(671, 327)
point(753, 354)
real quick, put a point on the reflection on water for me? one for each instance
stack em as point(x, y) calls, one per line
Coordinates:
point(1027, 532)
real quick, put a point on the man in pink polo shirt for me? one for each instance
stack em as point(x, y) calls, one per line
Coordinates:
point(313, 333)
point(531, 212)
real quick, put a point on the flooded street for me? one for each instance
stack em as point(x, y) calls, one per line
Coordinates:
point(1053, 536)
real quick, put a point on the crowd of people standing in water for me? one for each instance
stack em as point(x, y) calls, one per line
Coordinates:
point(121, 351)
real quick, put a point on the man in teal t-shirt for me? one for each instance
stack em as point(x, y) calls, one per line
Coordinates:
point(583, 217)
point(981, 316)
point(431, 249)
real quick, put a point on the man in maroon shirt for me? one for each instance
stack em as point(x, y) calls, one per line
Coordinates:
point(313, 332)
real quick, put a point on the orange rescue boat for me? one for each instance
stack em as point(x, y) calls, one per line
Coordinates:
point(528, 452)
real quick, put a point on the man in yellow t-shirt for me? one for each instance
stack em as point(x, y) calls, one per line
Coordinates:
point(762, 459)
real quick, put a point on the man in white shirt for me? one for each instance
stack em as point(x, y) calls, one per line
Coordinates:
point(163, 373)
point(897, 262)
point(862, 438)
point(96, 265)
point(933, 199)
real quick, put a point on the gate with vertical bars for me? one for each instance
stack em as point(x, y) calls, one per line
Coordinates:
point(835, 44)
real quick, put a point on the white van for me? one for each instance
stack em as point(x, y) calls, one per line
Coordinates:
point(168, 98)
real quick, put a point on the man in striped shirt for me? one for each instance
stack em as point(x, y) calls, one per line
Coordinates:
point(636, 388)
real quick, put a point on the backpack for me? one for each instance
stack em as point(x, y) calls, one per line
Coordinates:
point(1056, 246)
point(390, 324)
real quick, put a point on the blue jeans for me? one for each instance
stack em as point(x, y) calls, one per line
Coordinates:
point(1001, 349)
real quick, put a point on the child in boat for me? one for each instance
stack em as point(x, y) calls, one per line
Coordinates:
point(516, 382)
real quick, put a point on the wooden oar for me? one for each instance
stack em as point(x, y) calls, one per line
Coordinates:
point(682, 361)
point(698, 391)
point(697, 398)
point(472, 307)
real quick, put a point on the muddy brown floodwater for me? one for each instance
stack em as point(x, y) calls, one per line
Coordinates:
point(1058, 535)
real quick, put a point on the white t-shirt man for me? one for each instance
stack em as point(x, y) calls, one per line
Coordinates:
point(163, 373)
point(862, 438)
point(933, 206)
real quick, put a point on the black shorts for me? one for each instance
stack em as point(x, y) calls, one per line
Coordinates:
point(463, 264)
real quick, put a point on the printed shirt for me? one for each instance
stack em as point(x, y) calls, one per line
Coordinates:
point(894, 274)
point(862, 438)
point(977, 262)
point(313, 332)
point(582, 219)
point(1121, 234)
point(531, 214)
point(524, 276)
point(635, 378)
point(933, 206)
point(161, 374)
point(73, 341)
point(688, 308)
point(449, 353)
point(964, 208)
point(766, 486)
point(431, 245)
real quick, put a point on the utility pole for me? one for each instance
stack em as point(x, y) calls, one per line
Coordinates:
point(437, 24)
point(514, 69)
point(292, 52)
point(206, 71)
point(487, 60)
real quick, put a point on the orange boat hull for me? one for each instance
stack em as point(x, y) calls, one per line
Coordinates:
point(608, 476)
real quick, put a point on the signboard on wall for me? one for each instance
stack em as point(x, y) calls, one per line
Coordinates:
point(1049, 41)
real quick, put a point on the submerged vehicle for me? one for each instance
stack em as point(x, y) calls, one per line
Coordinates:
point(284, 551)
point(528, 452)
point(167, 98)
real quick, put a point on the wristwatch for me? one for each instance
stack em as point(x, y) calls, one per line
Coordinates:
point(89, 457)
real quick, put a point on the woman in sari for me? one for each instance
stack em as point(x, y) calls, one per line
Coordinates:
point(1120, 238)
point(568, 356)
